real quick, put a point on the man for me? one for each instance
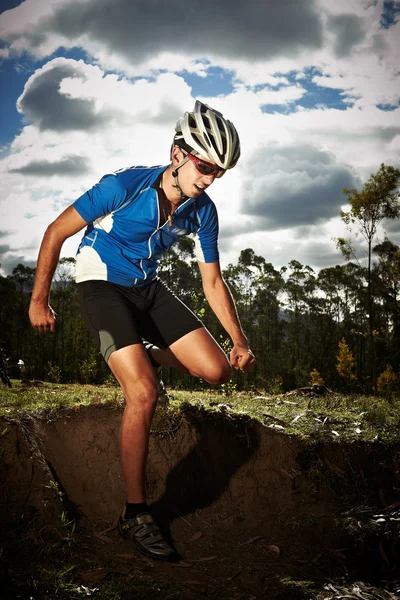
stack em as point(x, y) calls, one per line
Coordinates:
point(132, 217)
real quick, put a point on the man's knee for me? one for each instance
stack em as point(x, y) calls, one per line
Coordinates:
point(141, 395)
point(219, 373)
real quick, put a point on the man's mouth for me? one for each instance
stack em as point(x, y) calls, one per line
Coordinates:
point(200, 187)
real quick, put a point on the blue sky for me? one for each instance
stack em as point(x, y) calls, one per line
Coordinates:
point(90, 86)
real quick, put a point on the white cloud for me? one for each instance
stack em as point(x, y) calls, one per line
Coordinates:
point(22, 25)
point(288, 186)
point(136, 32)
point(283, 197)
point(284, 95)
point(370, 81)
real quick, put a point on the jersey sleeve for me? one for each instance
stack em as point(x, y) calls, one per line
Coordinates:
point(102, 199)
point(206, 238)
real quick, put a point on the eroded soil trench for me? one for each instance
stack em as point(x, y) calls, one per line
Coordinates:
point(246, 506)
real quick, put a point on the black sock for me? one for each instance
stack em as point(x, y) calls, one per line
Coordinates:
point(153, 361)
point(133, 509)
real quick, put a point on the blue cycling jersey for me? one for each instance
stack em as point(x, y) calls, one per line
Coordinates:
point(123, 242)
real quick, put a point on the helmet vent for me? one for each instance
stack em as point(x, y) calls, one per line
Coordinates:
point(208, 133)
point(221, 126)
point(200, 141)
point(224, 146)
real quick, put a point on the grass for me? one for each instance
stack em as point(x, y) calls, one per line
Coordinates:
point(334, 416)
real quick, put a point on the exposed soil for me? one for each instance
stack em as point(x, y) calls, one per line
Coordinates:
point(254, 513)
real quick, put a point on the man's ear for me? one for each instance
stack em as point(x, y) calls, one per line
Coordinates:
point(176, 155)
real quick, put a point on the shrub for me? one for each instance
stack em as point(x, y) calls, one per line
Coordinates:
point(53, 372)
point(88, 371)
point(345, 364)
point(315, 378)
point(387, 383)
point(276, 386)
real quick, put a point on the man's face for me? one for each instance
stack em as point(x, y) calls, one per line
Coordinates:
point(191, 180)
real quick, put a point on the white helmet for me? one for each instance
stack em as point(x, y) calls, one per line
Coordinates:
point(207, 133)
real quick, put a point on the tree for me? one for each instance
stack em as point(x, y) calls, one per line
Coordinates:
point(299, 287)
point(24, 277)
point(386, 284)
point(378, 200)
point(345, 364)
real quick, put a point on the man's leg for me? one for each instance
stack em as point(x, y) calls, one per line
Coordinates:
point(198, 354)
point(111, 315)
point(136, 377)
point(186, 343)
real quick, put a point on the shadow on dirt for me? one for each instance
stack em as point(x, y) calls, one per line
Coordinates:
point(197, 481)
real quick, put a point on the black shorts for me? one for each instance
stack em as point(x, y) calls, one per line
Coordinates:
point(118, 316)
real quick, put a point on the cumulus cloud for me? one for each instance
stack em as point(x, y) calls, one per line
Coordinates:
point(47, 168)
point(295, 185)
point(264, 41)
point(44, 102)
point(136, 32)
point(66, 95)
point(349, 32)
point(361, 138)
point(70, 165)
point(25, 213)
point(316, 249)
point(284, 95)
point(320, 254)
point(9, 259)
point(365, 60)
point(391, 228)
point(284, 197)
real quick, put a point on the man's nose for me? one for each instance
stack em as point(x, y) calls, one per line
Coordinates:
point(208, 178)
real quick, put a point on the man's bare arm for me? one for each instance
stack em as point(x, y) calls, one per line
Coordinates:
point(41, 314)
point(220, 299)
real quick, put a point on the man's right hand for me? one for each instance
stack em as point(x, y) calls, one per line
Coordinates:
point(42, 317)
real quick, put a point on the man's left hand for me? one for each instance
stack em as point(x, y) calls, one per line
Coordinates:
point(242, 358)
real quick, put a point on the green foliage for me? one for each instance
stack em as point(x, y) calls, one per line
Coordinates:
point(377, 200)
point(230, 386)
point(293, 317)
point(54, 485)
point(197, 305)
point(53, 372)
point(377, 415)
point(275, 387)
point(88, 371)
point(345, 247)
point(296, 589)
point(56, 583)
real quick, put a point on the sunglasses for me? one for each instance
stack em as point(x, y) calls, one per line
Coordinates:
point(203, 167)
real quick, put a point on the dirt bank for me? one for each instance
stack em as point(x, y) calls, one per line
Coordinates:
point(246, 505)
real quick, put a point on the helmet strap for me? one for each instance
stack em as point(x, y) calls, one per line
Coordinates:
point(176, 180)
